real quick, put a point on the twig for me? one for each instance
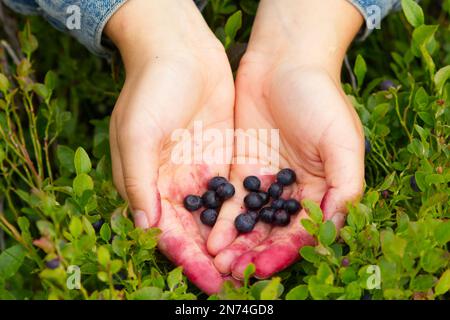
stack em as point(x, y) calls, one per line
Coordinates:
point(10, 51)
point(2, 233)
point(350, 73)
point(9, 26)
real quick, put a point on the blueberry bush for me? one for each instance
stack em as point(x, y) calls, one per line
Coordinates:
point(61, 219)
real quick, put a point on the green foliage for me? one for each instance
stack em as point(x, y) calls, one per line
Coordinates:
point(55, 175)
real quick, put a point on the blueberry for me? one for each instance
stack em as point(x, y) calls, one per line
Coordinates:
point(367, 146)
point(278, 204)
point(252, 183)
point(225, 191)
point(244, 223)
point(192, 203)
point(254, 215)
point(413, 184)
point(215, 182)
point(264, 196)
point(253, 201)
point(292, 206)
point(275, 190)
point(385, 194)
point(281, 218)
point(98, 224)
point(52, 264)
point(386, 85)
point(266, 214)
point(208, 217)
point(211, 200)
point(286, 177)
point(119, 287)
point(345, 262)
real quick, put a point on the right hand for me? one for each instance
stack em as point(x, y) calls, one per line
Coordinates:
point(177, 73)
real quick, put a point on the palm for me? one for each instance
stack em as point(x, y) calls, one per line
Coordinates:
point(166, 98)
point(314, 122)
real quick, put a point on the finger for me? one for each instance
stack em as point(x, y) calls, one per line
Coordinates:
point(277, 252)
point(242, 244)
point(115, 160)
point(178, 245)
point(140, 163)
point(343, 158)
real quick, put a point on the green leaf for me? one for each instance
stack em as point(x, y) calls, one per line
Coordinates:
point(65, 157)
point(360, 69)
point(248, 272)
point(442, 233)
point(433, 260)
point(81, 183)
point(413, 12)
point(421, 99)
point(440, 78)
point(105, 232)
point(103, 256)
point(121, 225)
point(50, 80)
point(175, 278)
point(4, 83)
point(87, 226)
point(272, 290)
point(41, 90)
point(75, 227)
point(116, 265)
point(313, 210)
point(82, 161)
point(232, 26)
point(10, 261)
point(299, 292)
point(423, 282)
point(309, 226)
point(103, 276)
point(249, 6)
point(309, 254)
point(392, 245)
point(327, 233)
point(387, 182)
point(443, 285)
point(148, 293)
point(120, 246)
point(423, 35)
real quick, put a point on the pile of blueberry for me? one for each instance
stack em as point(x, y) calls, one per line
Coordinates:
point(257, 202)
point(219, 190)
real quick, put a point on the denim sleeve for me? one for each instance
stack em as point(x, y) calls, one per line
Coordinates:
point(86, 19)
point(83, 19)
point(374, 11)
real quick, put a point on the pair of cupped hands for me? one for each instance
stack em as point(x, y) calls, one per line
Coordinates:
point(178, 74)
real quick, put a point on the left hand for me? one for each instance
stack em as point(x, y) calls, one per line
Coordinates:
point(321, 137)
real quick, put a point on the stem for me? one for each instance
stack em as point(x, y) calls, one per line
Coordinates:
point(402, 122)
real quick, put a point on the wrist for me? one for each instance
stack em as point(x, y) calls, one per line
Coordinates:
point(305, 33)
point(144, 30)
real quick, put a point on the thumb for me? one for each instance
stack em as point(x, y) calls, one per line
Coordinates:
point(140, 163)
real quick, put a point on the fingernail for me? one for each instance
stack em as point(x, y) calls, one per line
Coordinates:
point(338, 219)
point(141, 220)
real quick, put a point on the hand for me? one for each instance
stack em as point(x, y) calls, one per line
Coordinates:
point(289, 80)
point(177, 74)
